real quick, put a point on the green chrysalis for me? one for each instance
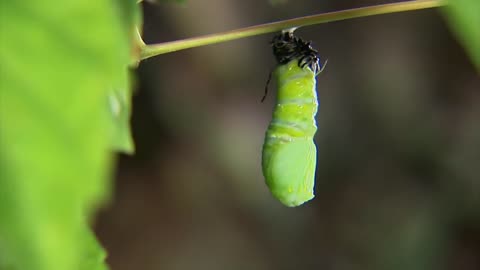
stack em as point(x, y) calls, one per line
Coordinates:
point(289, 154)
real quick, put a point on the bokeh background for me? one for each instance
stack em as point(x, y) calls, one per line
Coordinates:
point(398, 173)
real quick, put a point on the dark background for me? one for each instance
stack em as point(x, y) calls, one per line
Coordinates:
point(397, 182)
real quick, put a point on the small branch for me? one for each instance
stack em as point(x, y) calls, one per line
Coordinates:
point(167, 47)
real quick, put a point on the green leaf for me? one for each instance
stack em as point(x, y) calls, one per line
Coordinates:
point(120, 95)
point(119, 110)
point(60, 61)
point(464, 19)
point(93, 255)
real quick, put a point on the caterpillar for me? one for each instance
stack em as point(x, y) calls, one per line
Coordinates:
point(289, 154)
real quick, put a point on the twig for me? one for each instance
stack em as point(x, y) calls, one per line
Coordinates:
point(167, 47)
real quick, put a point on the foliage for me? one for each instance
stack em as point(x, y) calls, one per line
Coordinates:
point(64, 63)
point(464, 18)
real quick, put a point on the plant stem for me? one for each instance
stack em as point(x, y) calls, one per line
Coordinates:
point(167, 47)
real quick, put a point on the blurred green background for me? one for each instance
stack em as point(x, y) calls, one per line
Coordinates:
point(397, 182)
